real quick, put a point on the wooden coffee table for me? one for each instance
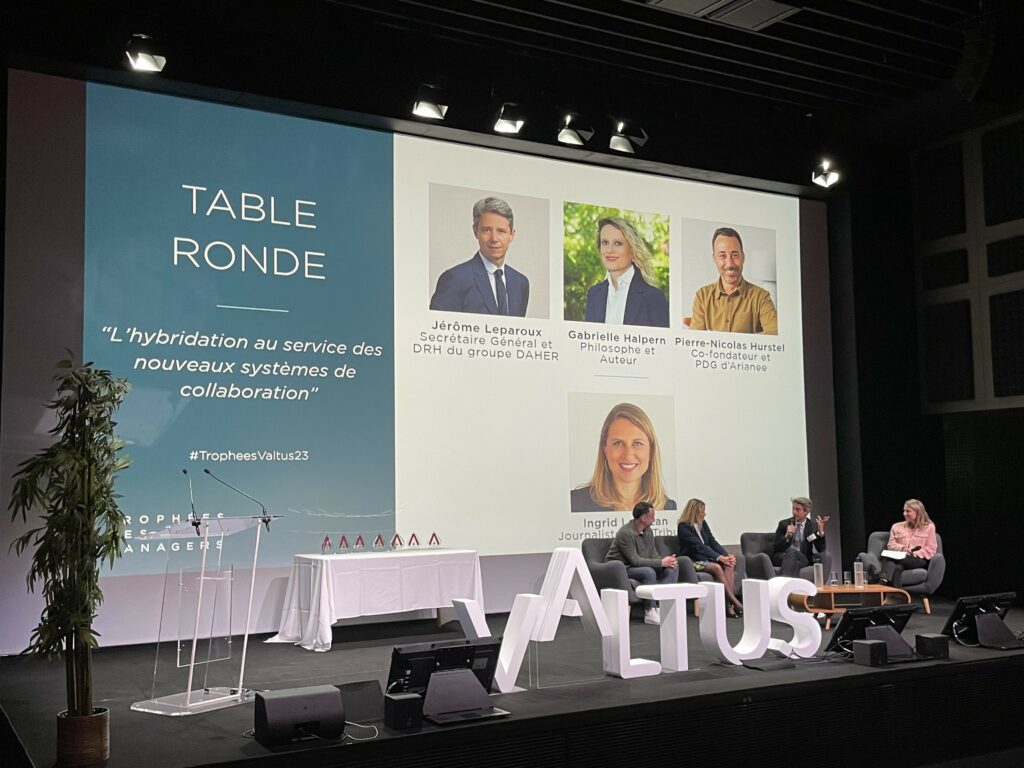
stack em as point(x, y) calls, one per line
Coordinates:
point(832, 600)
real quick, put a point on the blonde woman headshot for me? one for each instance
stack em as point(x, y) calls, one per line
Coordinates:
point(628, 468)
point(627, 295)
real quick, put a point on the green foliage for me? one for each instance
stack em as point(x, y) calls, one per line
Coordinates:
point(582, 262)
point(72, 484)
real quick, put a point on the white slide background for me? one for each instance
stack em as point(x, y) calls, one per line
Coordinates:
point(486, 452)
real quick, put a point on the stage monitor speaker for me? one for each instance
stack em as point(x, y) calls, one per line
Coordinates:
point(932, 646)
point(896, 648)
point(295, 713)
point(363, 700)
point(403, 711)
point(870, 653)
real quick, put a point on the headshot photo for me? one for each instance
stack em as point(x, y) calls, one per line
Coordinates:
point(617, 458)
point(615, 266)
point(488, 252)
point(729, 271)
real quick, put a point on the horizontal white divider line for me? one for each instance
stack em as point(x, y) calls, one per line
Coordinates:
point(252, 309)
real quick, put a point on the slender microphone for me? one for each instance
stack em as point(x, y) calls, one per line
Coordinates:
point(195, 516)
point(792, 521)
point(915, 549)
point(265, 516)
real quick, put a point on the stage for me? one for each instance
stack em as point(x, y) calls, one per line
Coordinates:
point(832, 712)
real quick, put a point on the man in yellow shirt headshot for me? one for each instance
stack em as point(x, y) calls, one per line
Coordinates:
point(731, 303)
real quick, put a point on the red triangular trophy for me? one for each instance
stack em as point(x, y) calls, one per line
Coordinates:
point(414, 540)
point(343, 542)
point(325, 547)
point(396, 541)
point(434, 541)
point(378, 542)
point(359, 542)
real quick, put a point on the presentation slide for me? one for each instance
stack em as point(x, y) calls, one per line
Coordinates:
point(238, 272)
point(385, 338)
point(523, 433)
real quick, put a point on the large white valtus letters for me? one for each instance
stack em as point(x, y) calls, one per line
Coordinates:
point(615, 647)
point(522, 619)
point(536, 617)
point(568, 576)
point(757, 626)
point(675, 649)
point(471, 617)
point(806, 633)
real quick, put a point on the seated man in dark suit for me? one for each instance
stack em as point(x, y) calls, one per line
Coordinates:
point(797, 539)
point(484, 284)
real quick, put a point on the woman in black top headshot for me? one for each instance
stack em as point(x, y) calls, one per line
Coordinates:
point(698, 543)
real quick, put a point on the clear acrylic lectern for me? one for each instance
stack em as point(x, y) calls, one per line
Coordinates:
point(198, 667)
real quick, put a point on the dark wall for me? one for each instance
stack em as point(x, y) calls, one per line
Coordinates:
point(901, 450)
point(984, 520)
point(968, 468)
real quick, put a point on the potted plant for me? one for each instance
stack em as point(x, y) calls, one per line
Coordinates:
point(71, 483)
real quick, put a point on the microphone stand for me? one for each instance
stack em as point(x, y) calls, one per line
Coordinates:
point(265, 517)
point(196, 522)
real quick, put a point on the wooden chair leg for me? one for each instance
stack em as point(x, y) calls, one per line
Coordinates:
point(927, 605)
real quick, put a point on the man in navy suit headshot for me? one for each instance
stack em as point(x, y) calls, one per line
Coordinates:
point(484, 284)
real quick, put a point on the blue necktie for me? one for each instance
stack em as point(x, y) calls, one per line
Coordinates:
point(499, 288)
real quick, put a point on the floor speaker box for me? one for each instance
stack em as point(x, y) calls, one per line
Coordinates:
point(295, 713)
point(363, 700)
point(931, 645)
point(870, 653)
point(403, 711)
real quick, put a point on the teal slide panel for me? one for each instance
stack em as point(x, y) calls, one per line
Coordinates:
point(239, 273)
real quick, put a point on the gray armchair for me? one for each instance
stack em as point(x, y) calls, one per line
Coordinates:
point(757, 552)
point(612, 574)
point(607, 574)
point(919, 581)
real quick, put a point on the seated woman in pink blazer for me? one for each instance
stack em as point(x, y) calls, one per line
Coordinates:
point(915, 536)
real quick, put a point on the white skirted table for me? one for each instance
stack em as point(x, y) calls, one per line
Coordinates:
point(325, 588)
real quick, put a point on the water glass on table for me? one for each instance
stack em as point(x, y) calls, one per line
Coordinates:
point(858, 575)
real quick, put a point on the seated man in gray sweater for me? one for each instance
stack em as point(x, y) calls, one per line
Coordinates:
point(634, 546)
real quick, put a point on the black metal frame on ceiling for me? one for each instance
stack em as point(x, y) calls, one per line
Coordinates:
point(845, 55)
point(700, 84)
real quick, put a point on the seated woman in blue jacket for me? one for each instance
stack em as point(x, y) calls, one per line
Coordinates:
point(698, 543)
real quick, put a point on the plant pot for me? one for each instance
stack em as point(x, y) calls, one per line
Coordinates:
point(83, 739)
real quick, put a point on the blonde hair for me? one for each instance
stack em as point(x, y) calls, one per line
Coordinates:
point(641, 252)
point(922, 513)
point(652, 484)
point(691, 512)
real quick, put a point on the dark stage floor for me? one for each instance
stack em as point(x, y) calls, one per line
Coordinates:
point(576, 715)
